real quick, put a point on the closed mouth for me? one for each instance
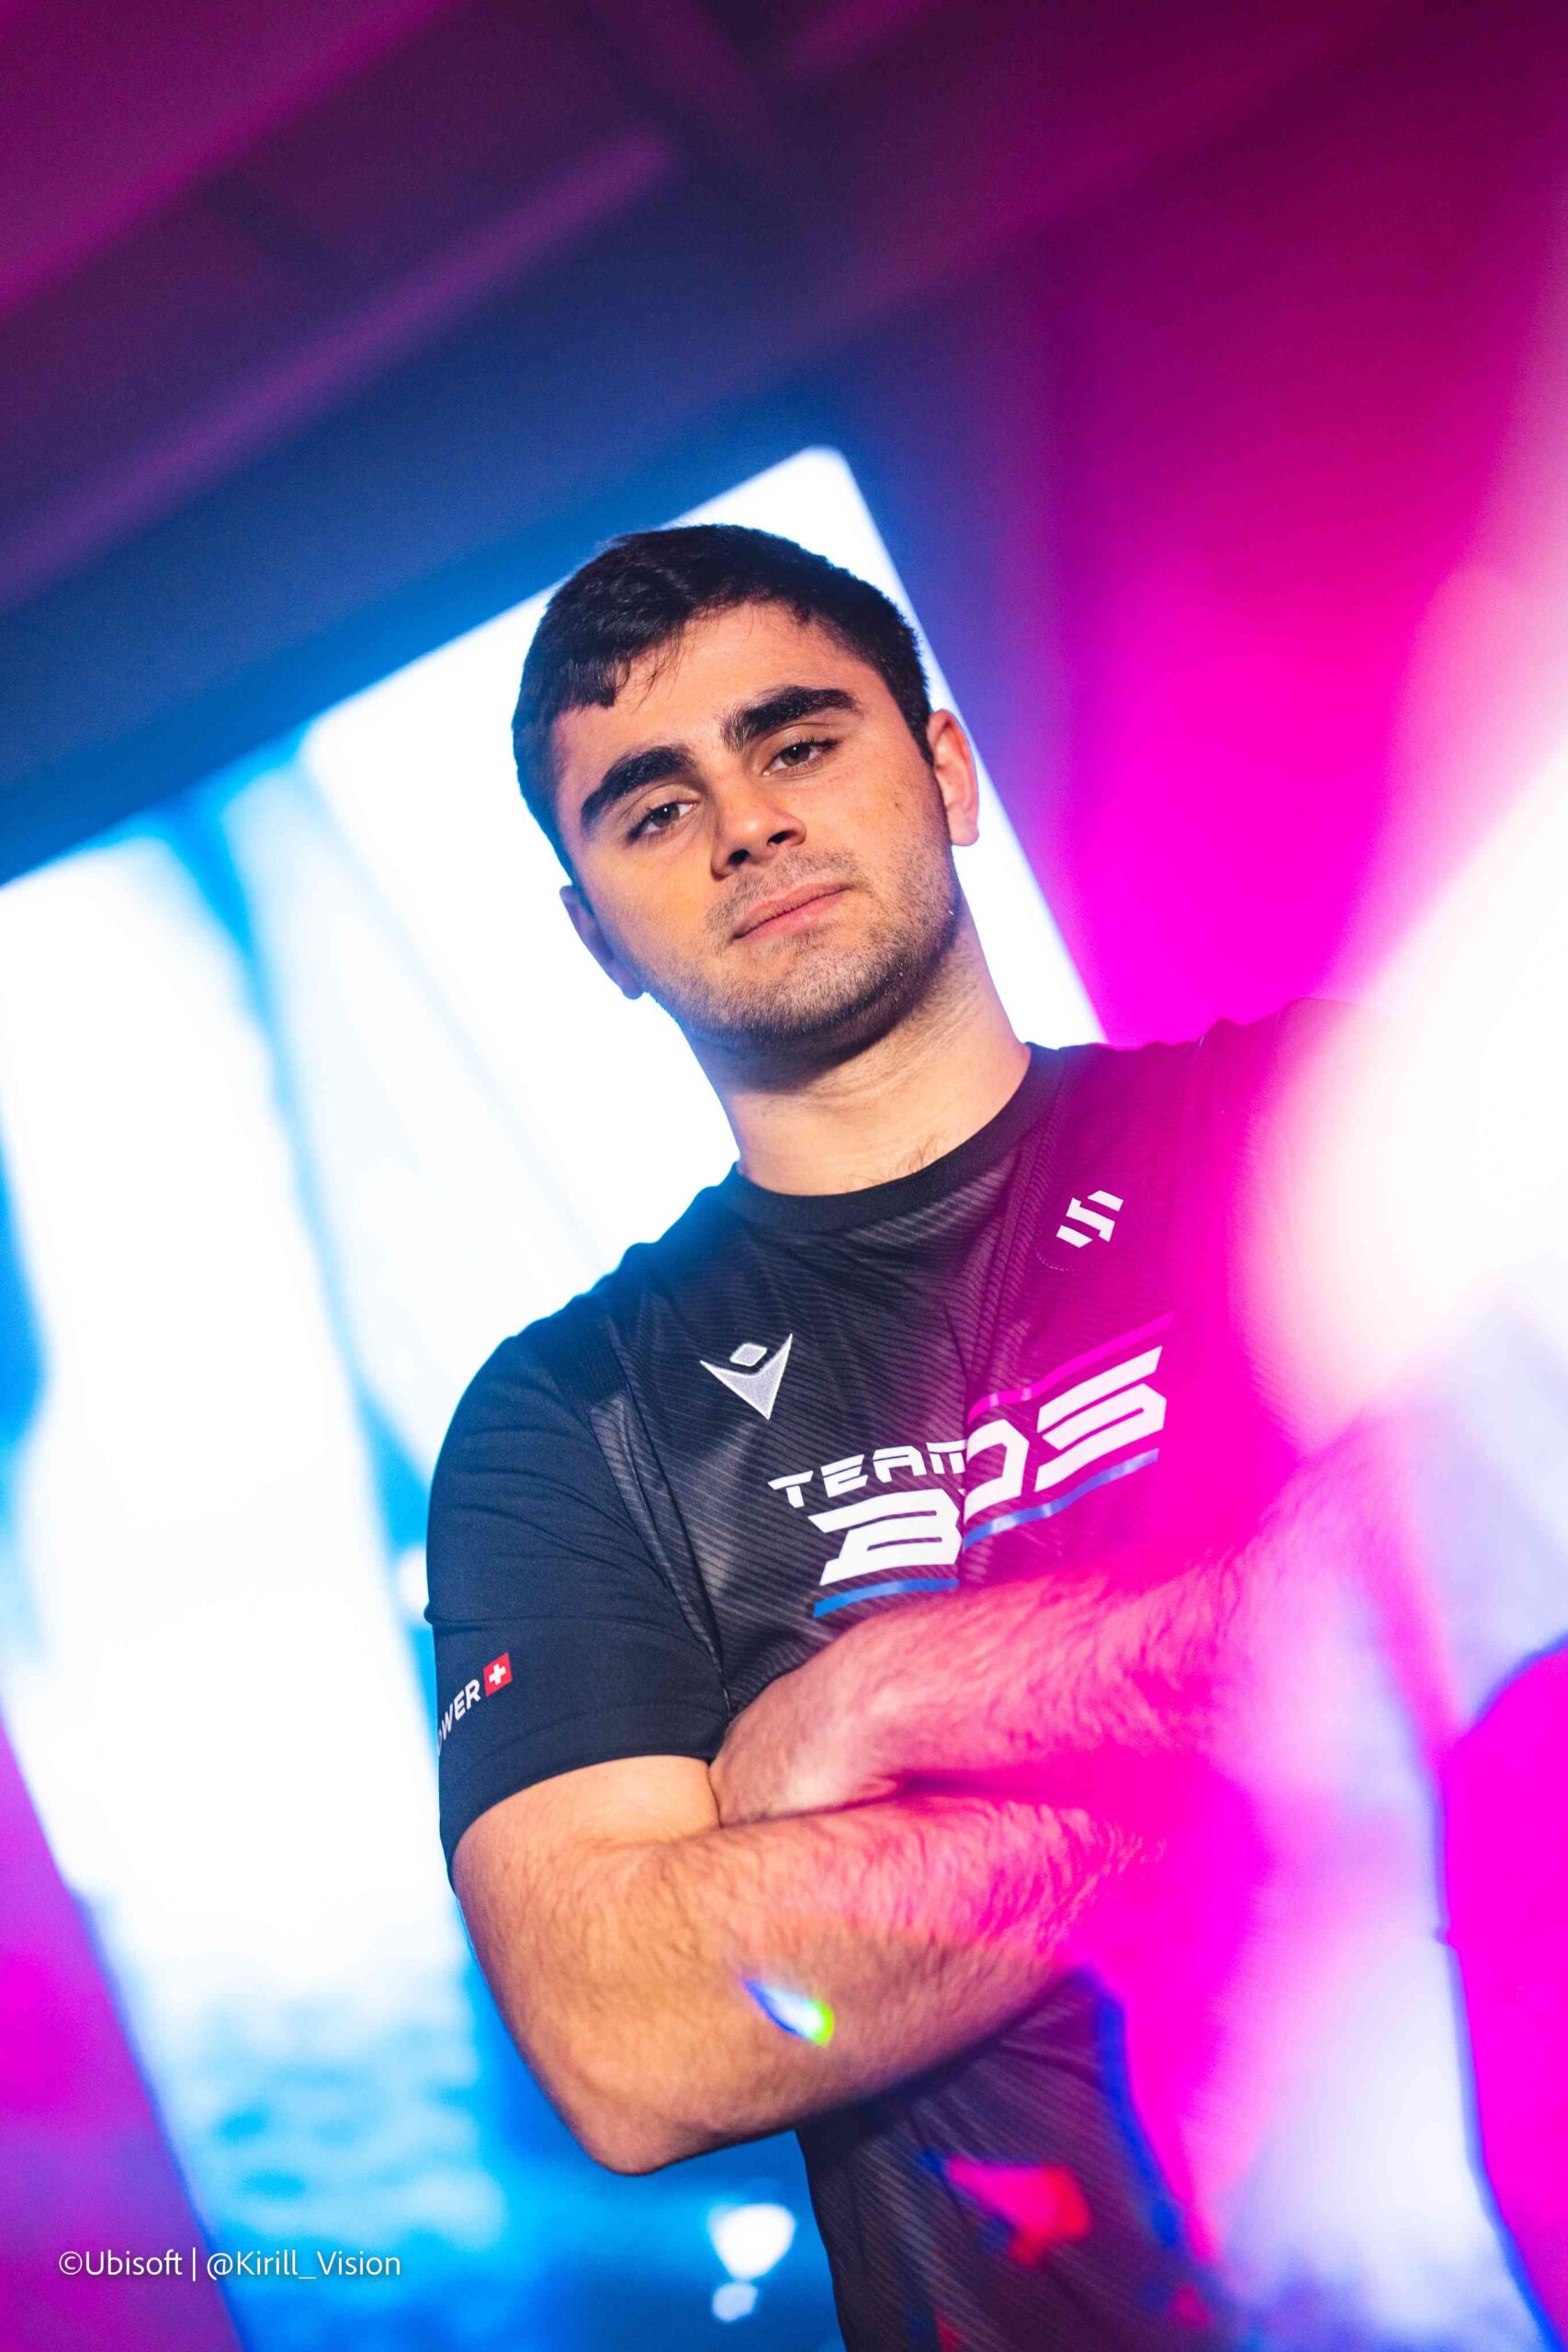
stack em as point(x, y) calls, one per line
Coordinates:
point(788, 902)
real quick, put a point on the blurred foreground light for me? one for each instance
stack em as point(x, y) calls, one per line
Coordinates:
point(1477, 1131)
point(1436, 1163)
point(750, 2239)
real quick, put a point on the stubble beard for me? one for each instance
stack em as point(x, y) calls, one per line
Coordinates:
point(830, 1002)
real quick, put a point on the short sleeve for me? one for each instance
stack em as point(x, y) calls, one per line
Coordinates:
point(559, 1640)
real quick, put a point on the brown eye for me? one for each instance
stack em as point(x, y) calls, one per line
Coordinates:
point(805, 744)
point(657, 820)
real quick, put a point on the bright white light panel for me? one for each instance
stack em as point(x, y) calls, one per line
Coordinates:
point(307, 1096)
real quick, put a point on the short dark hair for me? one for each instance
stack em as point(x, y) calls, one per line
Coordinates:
point(641, 590)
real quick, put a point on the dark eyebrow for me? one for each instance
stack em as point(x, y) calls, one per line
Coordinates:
point(624, 776)
point(782, 708)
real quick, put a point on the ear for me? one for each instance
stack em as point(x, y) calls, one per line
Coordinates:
point(956, 777)
point(586, 924)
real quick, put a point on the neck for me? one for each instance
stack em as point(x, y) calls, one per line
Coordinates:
point(927, 1085)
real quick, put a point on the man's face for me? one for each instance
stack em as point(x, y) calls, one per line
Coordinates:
point(758, 842)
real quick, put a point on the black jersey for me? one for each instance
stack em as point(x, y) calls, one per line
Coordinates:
point(792, 1410)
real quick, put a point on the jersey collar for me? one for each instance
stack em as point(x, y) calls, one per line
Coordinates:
point(842, 1212)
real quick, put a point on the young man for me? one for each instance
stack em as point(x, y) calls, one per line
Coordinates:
point(825, 1603)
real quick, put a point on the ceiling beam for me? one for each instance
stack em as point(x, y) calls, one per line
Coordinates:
point(691, 77)
point(359, 342)
point(109, 112)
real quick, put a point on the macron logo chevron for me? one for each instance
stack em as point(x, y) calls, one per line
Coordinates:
point(1086, 1218)
point(754, 1377)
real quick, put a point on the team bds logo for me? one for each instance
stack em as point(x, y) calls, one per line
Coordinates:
point(753, 1374)
point(1054, 1445)
point(1086, 1218)
point(1049, 1437)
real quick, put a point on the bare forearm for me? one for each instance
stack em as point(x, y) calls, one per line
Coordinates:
point(922, 1926)
point(1022, 1677)
point(1046, 1674)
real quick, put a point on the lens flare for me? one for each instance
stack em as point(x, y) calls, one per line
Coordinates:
point(796, 2013)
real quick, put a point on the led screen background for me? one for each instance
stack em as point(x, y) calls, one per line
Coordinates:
point(307, 1097)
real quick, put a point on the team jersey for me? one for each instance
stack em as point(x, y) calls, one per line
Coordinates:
point(794, 1411)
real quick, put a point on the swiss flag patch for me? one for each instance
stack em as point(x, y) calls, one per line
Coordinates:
point(498, 1673)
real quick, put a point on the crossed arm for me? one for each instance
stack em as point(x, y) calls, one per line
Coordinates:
point(620, 1927)
point(1027, 1678)
point(1047, 1683)
point(835, 1849)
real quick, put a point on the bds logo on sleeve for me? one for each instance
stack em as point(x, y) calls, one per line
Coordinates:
point(495, 1677)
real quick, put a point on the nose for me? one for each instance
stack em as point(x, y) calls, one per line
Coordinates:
point(751, 825)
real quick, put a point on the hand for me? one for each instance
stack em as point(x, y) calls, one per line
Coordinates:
point(792, 1750)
